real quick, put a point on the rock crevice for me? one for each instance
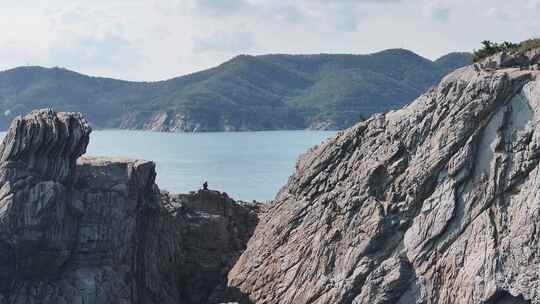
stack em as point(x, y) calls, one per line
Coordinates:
point(433, 203)
point(98, 230)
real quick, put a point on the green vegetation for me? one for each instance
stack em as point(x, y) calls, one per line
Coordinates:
point(490, 48)
point(254, 92)
point(529, 44)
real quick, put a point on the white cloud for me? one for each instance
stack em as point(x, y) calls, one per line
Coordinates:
point(503, 15)
point(439, 10)
point(91, 38)
point(236, 41)
point(222, 7)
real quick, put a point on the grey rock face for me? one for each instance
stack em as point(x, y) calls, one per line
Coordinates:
point(162, 121)
point(214, 230)
point(433, 203)
point(182, 121)
point(98, 230)
point(47, 142)
point(512, 59)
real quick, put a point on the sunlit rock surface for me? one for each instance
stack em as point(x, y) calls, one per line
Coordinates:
point(435, 203)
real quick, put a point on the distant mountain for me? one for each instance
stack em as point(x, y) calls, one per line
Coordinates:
point(453, 60)
point(266, 92)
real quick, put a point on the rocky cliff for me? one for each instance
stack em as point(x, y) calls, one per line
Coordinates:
point(435, 203)
point(97, 230)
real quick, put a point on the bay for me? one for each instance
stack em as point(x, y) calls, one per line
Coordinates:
point(246, 165)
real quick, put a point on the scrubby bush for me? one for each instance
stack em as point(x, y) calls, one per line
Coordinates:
point(491, 48)
point(529, 44)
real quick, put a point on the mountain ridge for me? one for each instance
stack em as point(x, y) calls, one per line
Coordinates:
point(264, 92)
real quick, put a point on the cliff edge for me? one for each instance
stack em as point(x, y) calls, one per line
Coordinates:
point(433, 203)
point(98, 230)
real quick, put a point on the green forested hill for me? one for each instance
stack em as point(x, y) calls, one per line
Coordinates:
point(245, 93)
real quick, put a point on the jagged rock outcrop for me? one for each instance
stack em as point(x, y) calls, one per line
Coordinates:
point(509, 59)
point(434, 203)
point(98, 230)
point(214, 232)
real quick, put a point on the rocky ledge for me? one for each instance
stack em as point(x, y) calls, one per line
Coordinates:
point(98, 230)
point(435, 203)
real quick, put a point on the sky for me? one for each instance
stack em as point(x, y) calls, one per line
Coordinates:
point(159, 39)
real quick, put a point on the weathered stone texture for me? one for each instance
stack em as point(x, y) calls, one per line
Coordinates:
point(435, 203)
point(98, 230)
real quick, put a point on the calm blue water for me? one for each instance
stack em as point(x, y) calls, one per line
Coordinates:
point(246, 165)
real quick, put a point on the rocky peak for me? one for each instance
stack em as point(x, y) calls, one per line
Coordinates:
point(433, 203)
point(47, 143)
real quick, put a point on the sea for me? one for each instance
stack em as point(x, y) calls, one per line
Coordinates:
point(247, 165)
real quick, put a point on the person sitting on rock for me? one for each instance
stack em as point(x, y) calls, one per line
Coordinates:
point(205, 185)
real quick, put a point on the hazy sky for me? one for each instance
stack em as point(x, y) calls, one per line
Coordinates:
point(158, 39)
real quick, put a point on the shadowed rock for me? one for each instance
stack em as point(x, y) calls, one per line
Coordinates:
point(47, 143)
point(98, 230)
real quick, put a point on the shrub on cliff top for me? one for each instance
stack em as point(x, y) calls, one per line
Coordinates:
point(529, 44)
point(490, 48)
